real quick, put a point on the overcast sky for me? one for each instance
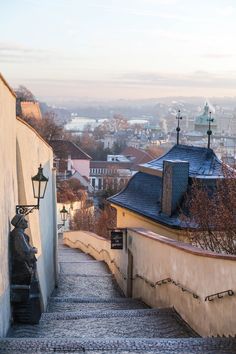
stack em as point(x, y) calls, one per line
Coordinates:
point(106, 49)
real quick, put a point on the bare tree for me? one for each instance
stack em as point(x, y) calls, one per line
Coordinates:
point(105, 221)
point(24, 94)
point(211, 215)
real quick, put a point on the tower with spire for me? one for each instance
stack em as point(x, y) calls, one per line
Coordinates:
point(202, 121)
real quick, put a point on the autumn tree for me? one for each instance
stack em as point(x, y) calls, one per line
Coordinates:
point(210, 214)
point(24, 94)
point(47, 127)
point(100, 221)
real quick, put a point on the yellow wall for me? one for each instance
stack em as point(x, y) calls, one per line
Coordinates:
point(156, 258)
point(126, 218)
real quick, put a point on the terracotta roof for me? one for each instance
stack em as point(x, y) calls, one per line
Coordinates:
point(63, 148)
point(139, 156)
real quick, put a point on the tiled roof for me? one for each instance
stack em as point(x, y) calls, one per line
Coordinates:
point(202, 161)
point(107, 164)
point(143, 193)
point(63, 148)
point(143, 196)
point(140, 156)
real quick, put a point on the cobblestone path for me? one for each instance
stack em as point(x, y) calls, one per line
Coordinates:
point(88, 313)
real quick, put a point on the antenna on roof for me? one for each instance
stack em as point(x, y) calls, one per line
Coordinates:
point(209, 132)
point(178, 127)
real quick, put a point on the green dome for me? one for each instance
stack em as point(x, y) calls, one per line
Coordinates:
point(203, 118)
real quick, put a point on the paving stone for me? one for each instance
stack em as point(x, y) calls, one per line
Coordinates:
point(125, 326)
point(65, 306)
point(113, 345)
point(74, 257)
point(85, 268)
point(74, 285)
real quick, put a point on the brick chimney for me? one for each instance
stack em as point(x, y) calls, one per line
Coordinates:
point(174, 184)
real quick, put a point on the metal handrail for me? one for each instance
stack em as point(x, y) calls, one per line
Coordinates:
point(219, 295)
point(167, 281)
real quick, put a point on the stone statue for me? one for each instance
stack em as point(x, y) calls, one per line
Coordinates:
point(25, 293)
point(22, 253)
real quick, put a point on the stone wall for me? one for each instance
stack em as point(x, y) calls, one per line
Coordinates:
point(169, 273)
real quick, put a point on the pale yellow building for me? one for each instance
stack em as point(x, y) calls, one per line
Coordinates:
point(154, 196)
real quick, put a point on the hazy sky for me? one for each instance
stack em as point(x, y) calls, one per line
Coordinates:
point(106, 49)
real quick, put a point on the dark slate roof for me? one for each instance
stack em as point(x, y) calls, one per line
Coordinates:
point(143, 195)
point(202, 161)
point(110, 164)
point(63, 148)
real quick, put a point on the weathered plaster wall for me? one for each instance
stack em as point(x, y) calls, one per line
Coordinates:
point(31, 151)
point(8, 193)
point(21, 152)
point(156, 258)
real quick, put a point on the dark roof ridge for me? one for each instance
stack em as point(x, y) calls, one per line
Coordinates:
point(66, 141)
point(77, 146)
point(203, 160)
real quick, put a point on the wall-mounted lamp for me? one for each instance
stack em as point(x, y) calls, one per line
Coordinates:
point(39, 183)
point(64, 214)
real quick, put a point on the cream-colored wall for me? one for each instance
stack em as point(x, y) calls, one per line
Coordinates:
point(21, 152)
point(156, 258)
point(126, 218)
point(31, 151)
point(8, 193)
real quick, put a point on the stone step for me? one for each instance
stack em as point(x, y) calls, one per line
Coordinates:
point(84, 267)
point(118, 345)
point(78, 304)
point(144, 323)
point(87, 286)
point(98, 313)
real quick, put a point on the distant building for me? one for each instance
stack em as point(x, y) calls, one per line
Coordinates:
point(118, 169)
point(153, 196)
point(202, 122)
point(30, 110)
point(109, 174)
point(71, 162)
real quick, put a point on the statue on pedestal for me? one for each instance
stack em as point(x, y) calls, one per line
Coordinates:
point(25, 292)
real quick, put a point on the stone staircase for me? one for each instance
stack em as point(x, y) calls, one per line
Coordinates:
point(88, 313)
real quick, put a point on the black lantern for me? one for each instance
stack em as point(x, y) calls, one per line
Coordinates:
point(39, 183)
point(64, 214)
